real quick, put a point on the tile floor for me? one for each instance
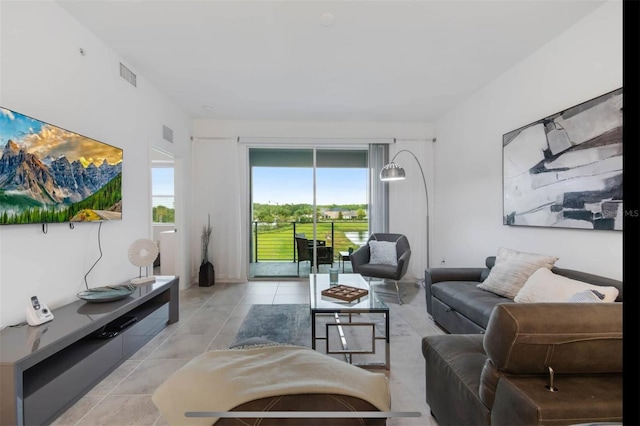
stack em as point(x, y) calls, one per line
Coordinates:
point(209, 319)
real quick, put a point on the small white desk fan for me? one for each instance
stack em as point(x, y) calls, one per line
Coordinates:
point(143, 253)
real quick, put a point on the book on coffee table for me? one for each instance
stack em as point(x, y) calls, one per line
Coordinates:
point(345, 292)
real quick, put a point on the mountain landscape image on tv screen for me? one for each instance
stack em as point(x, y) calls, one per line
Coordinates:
point(50, 175)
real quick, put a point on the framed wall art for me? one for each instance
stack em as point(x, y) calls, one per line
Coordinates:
point(565, 170)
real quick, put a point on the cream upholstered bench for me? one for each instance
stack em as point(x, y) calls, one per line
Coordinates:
point(270, 377)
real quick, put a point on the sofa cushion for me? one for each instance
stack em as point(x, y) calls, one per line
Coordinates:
point(378, 271)
point(512, 269)
point(572, 338)
point(466, 298)
point(545, 286)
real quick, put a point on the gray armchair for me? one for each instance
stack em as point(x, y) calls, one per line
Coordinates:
point(361, 257)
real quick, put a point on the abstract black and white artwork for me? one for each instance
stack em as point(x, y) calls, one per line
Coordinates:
point(565, 170)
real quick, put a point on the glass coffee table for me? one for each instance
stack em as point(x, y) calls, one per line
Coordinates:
point(369, 304)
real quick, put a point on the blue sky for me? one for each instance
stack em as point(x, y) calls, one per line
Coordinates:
point(291, 185)
point(162, 180)
point(15, 126)
point(46, 140)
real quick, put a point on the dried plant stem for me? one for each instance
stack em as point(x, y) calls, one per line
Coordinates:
point(206, 237)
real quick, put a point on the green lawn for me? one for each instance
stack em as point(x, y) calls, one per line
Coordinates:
point(276, 243)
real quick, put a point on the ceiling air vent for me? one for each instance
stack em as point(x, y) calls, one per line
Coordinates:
point(128, 75)
point(167, 133)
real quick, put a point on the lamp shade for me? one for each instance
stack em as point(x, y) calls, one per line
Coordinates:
point(392, 172)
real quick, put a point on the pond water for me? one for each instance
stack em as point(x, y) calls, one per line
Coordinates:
point(358, 237)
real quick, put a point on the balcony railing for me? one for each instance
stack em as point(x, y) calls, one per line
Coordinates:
point(275, 242)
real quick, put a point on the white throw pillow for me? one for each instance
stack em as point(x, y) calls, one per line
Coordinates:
point(544, 286)
point(383, 253)
point(512, 269)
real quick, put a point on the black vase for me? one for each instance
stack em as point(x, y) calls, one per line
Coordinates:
point(207, 275)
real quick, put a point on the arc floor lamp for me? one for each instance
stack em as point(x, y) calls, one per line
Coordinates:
point(393, 172)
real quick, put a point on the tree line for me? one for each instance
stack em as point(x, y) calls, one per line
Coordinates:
point(270, 213)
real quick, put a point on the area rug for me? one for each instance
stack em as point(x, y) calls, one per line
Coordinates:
point(291, 324)
point(288, 323)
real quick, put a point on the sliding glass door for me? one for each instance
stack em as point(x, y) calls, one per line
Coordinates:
point(308, 208)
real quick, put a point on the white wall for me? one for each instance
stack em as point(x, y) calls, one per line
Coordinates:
point(219, 179)
point(581, 64)
point(226, 198)
point(43, 75)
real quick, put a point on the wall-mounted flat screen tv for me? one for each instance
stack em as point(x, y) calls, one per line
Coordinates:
point(51, 175)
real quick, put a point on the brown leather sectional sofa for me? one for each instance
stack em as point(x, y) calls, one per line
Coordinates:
point(496, 367)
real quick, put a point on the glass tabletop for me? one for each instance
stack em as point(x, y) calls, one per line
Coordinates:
point(320, 302)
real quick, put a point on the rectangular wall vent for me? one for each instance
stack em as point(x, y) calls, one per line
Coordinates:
point(128, 75)
point(167, 133)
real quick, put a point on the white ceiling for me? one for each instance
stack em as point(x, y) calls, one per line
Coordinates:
point(273, 60)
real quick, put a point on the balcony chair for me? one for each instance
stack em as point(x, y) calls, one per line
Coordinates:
point(378, 259)
point(310, 242)
point(304, 248)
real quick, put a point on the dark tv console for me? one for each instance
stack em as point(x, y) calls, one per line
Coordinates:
point(46, 369)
